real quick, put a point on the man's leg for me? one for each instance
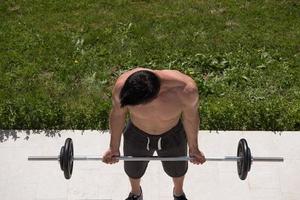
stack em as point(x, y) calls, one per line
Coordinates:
point(178, 185)
point(135, 144)
point(135, 186)
point(175, 145)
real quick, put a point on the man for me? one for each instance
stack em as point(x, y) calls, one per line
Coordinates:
point(163, 109)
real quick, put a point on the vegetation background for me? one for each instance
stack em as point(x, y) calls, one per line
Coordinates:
point(59, 59)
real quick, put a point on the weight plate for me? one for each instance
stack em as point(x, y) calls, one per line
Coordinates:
point(249, 159)
point(68, 158)
point(61, 163)
point(242, 164)
point(71, 158)
point(248, 156)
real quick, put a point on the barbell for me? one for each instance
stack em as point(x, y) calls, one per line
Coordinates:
point(244, 158)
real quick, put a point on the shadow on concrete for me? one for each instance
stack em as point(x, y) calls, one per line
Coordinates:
point(13, 134)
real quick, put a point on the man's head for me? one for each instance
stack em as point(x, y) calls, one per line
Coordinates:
point(140, 87)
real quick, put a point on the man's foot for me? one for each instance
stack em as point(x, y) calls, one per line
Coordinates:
point(132, 196)
point(181, 197)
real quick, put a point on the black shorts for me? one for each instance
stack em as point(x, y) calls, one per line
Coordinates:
point(138, 143)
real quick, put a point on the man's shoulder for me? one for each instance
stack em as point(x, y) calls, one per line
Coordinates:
point(179, 79)
point(177, 74)
point(188, 91)
point(172, 71)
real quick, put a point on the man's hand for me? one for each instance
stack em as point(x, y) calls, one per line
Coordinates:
point(197, 155)
point(110, 155)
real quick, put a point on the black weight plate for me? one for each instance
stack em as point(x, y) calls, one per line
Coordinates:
point(71, 158)
point(242, 164)
point(65, 159)
point(239, 162)
point(61, 163)
point(68, 158)
point(250, 159)
point(247, 156)
point(246, 160)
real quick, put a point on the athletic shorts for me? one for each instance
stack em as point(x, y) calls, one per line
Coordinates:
point(138, 143)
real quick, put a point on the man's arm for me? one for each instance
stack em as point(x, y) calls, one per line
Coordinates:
point(190, 115)
point(116, 124)
point(117, 119)
point(191, 121)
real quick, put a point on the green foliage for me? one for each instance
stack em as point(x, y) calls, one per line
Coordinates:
point(59, 59)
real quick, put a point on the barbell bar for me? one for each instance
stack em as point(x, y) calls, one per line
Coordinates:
point(157, 158)
point(244, 158)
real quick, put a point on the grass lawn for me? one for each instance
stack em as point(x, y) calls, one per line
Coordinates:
point(59, 59)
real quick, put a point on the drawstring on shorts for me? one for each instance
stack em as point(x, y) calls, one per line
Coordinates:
point(148, 144)
point(158, 144)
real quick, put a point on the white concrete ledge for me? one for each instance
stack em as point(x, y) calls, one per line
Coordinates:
point(21, 179)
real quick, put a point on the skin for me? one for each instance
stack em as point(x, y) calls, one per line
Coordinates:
point(178, 97)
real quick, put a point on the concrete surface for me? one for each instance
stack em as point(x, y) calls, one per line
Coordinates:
point(21, 179)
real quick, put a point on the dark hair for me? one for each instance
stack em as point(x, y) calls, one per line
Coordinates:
point(141, 87)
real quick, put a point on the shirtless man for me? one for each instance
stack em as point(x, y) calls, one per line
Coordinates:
point(163, 109)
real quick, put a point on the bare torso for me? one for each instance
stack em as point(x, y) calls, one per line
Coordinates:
point(163, 113)
point(158, 116)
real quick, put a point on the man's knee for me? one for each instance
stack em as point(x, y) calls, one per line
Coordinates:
point(135, 169)
point(175, 169)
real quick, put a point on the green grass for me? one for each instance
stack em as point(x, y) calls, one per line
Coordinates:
point(59, 59)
